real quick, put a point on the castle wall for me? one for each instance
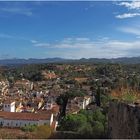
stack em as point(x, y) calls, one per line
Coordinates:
point(123, 120)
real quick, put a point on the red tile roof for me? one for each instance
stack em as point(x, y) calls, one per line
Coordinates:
point(8, 101)
point(24, 116)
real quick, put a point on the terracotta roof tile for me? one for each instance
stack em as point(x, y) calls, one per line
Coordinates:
point(24, 116)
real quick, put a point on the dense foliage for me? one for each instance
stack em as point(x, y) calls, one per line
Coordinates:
point(89, 124)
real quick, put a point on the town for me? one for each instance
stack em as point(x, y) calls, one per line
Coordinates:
point(34, 102)
point(46, 94)
point(69, 69)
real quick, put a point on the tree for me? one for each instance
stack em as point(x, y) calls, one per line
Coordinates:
point(73, 122)
point(89, 124)
point(86, 131)
point(96, 118)
point(98, 129)
point(62, 100)
point(97, 96)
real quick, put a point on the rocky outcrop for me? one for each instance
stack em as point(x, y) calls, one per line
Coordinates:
point(123, 120)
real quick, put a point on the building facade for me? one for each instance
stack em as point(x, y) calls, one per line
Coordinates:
point(14, 119)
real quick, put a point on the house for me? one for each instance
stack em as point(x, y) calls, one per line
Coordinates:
point(72, 109)
point(82, 102)
point(14, 119)
point(49, 105)
point(18, 106)
point(49, 74)
point(26, 84)
point(55, 112)
point(88, 100)
point(9, 106)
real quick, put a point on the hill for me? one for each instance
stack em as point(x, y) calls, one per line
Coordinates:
point(123, 60)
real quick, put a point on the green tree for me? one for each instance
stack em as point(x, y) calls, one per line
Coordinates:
point(86, 131)
point(98, 129)
point(62, 100)
point(73, 122)
point(97, 96)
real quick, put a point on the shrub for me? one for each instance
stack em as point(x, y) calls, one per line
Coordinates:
point(43, 132)
point(73, 122)
point(86, 131)
point(129, 97)
point(98, 129)
point(29, 128)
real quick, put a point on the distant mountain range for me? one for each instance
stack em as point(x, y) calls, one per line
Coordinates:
point(123, 60)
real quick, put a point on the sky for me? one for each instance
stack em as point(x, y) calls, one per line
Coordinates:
point(69, 29)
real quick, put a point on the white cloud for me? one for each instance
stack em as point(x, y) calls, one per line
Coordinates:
point(89, 49)
point(34, 41)
point(131, 30)
point(131, 5)
point(70, 40)
point(123, 45)
point(82, 39)
point(44, 45)
point(74, 43)
point(127, 15)
point(17, 10)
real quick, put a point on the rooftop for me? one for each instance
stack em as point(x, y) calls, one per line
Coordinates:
point(25, 116)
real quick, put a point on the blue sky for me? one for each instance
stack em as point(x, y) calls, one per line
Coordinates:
point(94, 29)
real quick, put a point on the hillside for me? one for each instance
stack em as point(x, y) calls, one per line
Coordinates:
point(123, 60)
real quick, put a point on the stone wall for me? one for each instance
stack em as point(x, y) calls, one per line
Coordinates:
point(123, 120)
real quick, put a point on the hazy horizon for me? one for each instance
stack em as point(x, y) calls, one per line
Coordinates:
point(70, 30)
point(14, 58)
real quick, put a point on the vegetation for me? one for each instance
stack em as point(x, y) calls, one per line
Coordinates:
point(40, 132)
point(129, 97)
point(62, 100)
point(87, 123)
point(29, 128)
point(43, 132)
point(106, 81)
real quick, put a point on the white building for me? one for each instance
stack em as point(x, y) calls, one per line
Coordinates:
point(14, 119)
point(49, 105)
point(83, 101)
point(9, 106)
point(87, 100)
